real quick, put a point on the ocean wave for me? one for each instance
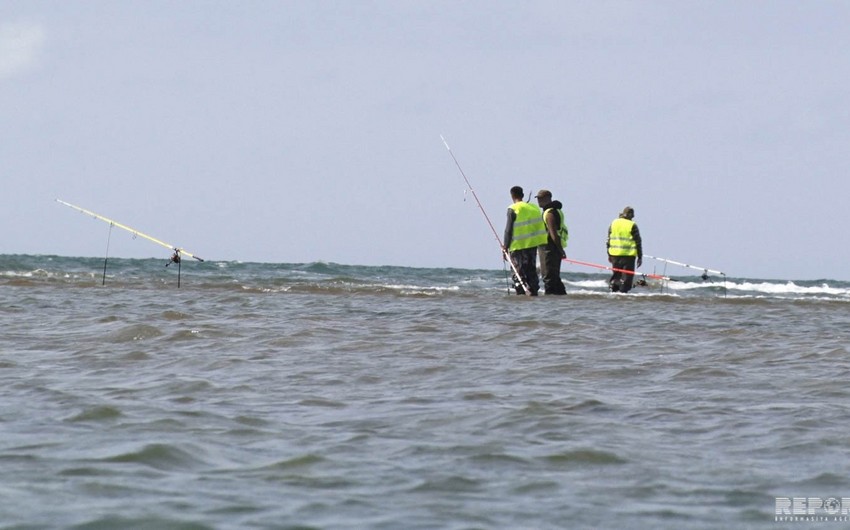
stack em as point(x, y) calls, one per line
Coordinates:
point(333, 278)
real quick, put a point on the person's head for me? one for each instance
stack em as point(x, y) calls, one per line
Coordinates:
point(543, 197)
point(517, 193)
point(628, 213)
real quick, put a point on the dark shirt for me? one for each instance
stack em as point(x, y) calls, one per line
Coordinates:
point(509, 228)
point(553, 243)
point(638, 243)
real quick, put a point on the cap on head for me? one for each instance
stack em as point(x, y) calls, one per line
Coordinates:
point(543, 193)
point(628, 212)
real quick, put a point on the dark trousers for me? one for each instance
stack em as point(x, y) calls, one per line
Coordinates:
point(550, 269)
point(525, 261)
point(621, 281)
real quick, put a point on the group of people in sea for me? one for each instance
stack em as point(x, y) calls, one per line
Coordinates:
point(540, 231)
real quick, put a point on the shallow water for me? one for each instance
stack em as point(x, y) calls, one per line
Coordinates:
point(326, 396)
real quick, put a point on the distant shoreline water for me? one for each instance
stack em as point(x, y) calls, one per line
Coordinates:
point(323, 276)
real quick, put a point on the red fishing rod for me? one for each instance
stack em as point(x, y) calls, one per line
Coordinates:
point(505, 253)
point(634, 273)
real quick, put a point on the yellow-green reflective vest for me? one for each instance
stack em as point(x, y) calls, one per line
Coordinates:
point(529, 230)
point(562, 227)
point(620, 242)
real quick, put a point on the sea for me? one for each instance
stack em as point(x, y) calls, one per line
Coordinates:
point(332, 396)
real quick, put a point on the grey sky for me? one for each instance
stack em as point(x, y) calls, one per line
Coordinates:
point(310, 130)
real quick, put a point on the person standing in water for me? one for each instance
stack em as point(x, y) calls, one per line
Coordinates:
point(552, 252)
point(524, 232)
point(625, 250)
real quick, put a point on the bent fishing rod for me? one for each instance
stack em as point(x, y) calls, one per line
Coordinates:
point(505, 253)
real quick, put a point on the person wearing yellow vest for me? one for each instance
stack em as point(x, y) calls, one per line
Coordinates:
point(524, 232)
point(625, 250)
point(552, 252)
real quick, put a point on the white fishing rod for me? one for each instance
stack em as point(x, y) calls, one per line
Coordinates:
point(704, 270)
point(671, 262)
point(505, 253)
point(177, 250)
point(131, 230)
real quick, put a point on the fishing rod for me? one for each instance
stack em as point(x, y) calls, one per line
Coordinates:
point(704, 270)
point(614, 269)
point(671, 262)
point(175, 258)
point(505, 253)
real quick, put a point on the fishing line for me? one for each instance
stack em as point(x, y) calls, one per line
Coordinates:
point(508, 283)
point(614, 269)
point(106, 258)
point(505, 253)
point(663, 272)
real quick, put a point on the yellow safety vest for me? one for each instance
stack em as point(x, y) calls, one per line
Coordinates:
point(529, 230)
point(620, 241)
point(562, 227)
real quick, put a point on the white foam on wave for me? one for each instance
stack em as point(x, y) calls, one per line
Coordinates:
point(589, 284)
point(691, 286)
point(418, 289)
point(789, 288)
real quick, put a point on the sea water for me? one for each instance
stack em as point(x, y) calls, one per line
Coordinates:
point(326, 396)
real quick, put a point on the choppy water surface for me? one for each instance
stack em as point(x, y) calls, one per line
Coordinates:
point(329, 396)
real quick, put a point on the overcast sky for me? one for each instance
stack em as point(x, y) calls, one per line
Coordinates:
point(301, 131)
